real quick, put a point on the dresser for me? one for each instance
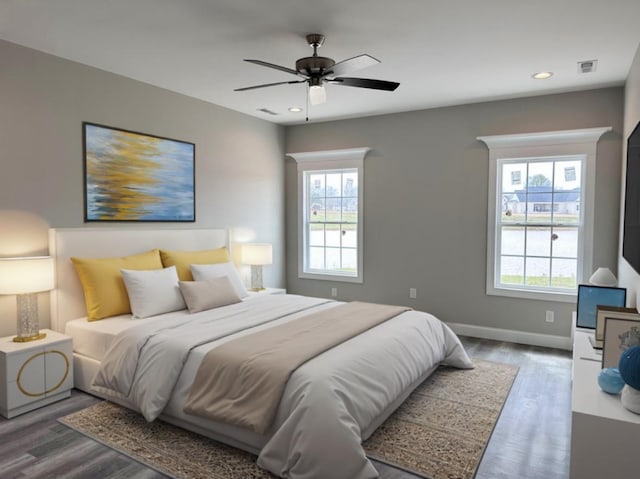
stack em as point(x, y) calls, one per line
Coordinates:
point(604, 435)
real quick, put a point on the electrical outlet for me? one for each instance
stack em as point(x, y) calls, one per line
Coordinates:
point(334, 292)
point(413, 293)
point(549, 317)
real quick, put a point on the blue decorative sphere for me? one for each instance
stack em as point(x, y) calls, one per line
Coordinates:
point(610, 380)
point(630, 366)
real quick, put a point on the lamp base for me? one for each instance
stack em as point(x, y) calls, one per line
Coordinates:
point(256, 277)
point(25, 339)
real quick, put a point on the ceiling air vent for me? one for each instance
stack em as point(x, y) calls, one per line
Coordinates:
point(267, 111)
point(587, 66)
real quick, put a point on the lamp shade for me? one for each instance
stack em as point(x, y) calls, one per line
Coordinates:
point(26, 275)
point(256, 254)
point(317, 94)
point(603, 277)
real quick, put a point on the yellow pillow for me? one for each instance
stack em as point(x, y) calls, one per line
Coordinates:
point(104, 290)
point(183, 259)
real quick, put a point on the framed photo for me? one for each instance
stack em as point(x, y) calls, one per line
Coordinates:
point(131, 176)
point(590, 296)
point(611, 312)
point(619, 334)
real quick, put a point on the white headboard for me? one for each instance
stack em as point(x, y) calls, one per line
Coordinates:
point(67, 300)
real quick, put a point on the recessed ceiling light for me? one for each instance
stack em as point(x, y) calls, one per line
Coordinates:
point(542, 75)
point(295, 109)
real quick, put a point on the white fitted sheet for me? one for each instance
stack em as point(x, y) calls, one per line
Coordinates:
point(93, 338)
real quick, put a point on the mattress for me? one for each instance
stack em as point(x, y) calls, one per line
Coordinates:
point(93, 338)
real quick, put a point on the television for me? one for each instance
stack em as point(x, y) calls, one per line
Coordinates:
point(631, 232)
point(591, 296)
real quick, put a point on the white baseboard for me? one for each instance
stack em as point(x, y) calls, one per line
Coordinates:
point(521, 337)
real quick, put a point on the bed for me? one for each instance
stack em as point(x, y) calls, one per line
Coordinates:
point(331, 403)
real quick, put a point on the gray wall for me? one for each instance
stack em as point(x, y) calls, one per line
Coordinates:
point(43, 102)
point(628, 277)
point(425, 190)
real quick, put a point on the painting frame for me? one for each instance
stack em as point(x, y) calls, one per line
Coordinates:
point(591, 296)
point(619, 334)
point(130, 176)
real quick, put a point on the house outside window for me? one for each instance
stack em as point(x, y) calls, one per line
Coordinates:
point(540, 239)
point(330, 214)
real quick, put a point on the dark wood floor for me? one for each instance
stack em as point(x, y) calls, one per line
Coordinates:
point(530, 441)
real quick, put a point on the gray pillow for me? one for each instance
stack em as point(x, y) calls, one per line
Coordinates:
point(208, 294)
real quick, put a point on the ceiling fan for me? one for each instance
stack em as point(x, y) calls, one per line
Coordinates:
point(317, 71)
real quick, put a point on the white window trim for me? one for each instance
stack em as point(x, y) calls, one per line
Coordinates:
point(328, 160)
point(539, 145)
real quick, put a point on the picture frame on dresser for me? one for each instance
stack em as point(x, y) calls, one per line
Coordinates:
point(132, 176)
point(619, 335)
point(604, 312)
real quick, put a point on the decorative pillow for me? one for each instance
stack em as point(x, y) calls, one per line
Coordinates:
point(209, 294)
point(104, 291)
point(182, 259)
point(153, 292)
point(202, 272)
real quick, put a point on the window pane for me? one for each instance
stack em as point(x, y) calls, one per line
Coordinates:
point(512, 270)
point(513, 175)
point(350, 209)
point(316, 258)
point(316, 210)
point(565, 243)
point(333, 235)
point(568, 175)
point(539, 242)
point(316, 234)
point(540, 176)
point(349, 235)
point(333, 258)
point(350, 184)
point(349, 260)
point(540, 206)
point(537, 272)
point(564, 273)
point(334, 184)
point(333, 209)
point(512, 241)
point(316, 185)
point(513, 210)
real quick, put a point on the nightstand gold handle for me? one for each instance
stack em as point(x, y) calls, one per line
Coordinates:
point(43, 353)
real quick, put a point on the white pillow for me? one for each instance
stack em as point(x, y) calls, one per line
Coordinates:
point(202, 272)
point(153, 292)
point(208, 294)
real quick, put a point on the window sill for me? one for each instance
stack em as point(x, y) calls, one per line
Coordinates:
point(537, 295)
point(331, 277)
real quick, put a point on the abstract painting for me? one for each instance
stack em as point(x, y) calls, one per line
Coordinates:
point(132, 176)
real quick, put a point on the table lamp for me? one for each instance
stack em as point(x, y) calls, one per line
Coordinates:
point(256, 255)
point(603, 277)
point(25, 277)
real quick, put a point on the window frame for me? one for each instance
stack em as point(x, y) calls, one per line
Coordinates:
point(329, 161)
point(527, 146)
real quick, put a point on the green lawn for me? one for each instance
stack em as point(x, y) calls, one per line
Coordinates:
point(563, 282)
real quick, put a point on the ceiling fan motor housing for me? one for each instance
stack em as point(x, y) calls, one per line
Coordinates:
point(314, 65)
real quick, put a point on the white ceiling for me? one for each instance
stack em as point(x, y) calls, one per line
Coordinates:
point(442, 52)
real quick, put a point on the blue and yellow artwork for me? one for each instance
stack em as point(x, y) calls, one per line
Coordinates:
point(132, 176)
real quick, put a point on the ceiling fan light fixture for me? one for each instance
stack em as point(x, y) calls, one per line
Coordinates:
point(317, 94)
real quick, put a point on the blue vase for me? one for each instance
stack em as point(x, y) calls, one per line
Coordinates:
point(610, 380)
point(630, 366)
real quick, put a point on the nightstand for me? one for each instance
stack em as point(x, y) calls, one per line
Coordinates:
point(34, 373)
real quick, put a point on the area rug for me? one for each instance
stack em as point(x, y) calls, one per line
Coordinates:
point(440, 432)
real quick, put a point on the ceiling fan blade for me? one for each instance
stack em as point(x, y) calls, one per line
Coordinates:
point(277, 67)
point(269, 84)
point(351, 65)
point(366, 83)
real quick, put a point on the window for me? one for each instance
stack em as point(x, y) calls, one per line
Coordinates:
point(330, 214)
point(540, 241)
